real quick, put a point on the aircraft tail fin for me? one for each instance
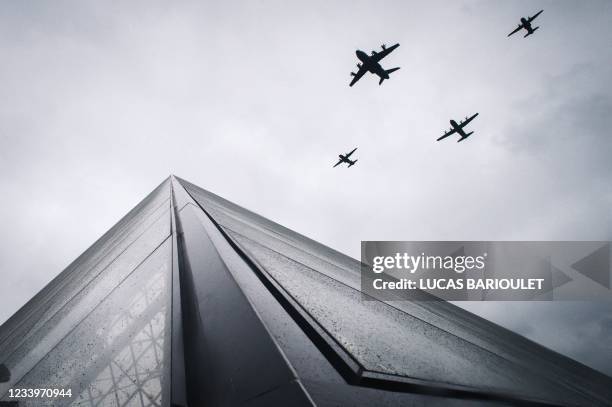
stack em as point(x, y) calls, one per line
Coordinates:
point(531, 32)
point(388, 71)
point(466, 136)
point(392, 70)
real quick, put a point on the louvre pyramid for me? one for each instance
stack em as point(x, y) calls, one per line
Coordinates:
point(191, 300)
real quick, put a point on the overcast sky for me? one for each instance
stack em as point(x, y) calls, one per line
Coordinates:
point(100, 101)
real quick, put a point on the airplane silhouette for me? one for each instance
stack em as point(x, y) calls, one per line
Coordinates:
point(526, 24)
point(371, 64)
point(345, 159)
point(458, 128)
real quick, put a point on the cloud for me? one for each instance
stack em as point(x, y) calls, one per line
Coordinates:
point(578, 329)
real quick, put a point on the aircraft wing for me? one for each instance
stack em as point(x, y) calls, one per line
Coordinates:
point(469, 119)
point(358, 75)
point(533, 17)
point(349, 154)
point(386, 51)
point(517, 29)
point(448, 133)
point(340, 161)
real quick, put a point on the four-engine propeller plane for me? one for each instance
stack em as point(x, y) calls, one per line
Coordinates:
point(371, 64)
point(345, 159)
point(458, 128)
point(526, 24)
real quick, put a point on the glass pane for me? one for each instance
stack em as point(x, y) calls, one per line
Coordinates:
point(23, 358)
point(86, 267)
point(235, 217)
point(386, 340)
point(436, 343)
point(118, 354)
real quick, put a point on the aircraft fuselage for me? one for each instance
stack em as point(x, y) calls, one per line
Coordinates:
point(371, 65)
point(526, 24)
point(345, 159)
point(458, 128)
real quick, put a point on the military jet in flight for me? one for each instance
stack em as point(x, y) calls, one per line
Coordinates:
point(371, 64)
point(458, 128)
point(346, 159)
point(526, 24)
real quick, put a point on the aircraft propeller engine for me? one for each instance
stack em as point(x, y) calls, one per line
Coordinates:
point(352, 73)
point(384, 46)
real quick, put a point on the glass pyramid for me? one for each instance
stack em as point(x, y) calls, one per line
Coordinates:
point(191, 300)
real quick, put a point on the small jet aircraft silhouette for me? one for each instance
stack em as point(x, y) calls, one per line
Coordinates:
point(458, 128)
point(371, 64)
point(345, 159)
point(526, 24)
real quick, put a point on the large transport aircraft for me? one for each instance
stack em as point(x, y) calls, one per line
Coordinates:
point(372, 64)
point(458, 128)
point(345, 159)
point(526, 24)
